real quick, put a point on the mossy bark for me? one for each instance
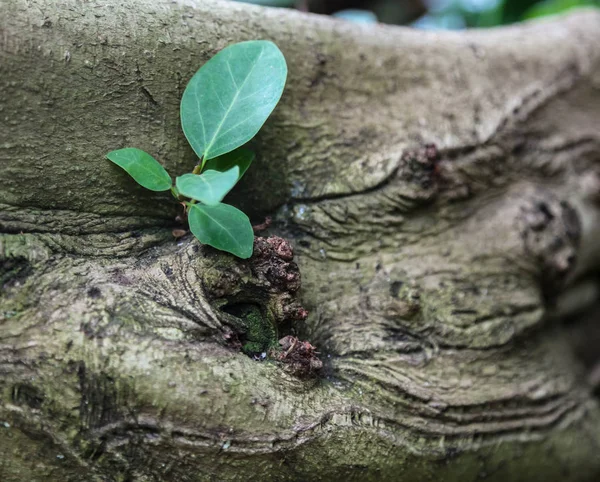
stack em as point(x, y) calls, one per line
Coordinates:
point(441, 192)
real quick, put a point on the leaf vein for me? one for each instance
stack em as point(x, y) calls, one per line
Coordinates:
point(233, 101)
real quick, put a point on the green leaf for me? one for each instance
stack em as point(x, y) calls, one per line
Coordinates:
point(223, 227)
point(553, 7)
point(229, 99)
point(210, 187)
point(144, 169)
point(242, 158)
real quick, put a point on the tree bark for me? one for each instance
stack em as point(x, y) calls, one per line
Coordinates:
point(441, 193)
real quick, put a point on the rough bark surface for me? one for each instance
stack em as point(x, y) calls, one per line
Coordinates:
point(441, 193)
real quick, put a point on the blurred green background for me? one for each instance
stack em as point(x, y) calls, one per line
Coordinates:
point(434, 14)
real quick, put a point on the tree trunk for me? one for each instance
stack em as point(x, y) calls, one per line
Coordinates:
point(441, 192)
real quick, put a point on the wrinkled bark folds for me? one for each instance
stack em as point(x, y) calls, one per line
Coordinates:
point(440, 192)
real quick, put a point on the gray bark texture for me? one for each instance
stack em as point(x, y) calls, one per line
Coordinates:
point(440, 191)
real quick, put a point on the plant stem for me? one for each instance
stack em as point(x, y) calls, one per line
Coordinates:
point(198, 168)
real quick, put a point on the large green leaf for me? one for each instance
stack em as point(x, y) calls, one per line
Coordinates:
point(210, 187)
point(229, 99)
point(241, 157)
point(223, 227)
point(144, 169)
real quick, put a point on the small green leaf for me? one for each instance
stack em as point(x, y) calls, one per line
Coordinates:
point(229, 99)
point(144, 169)
point(223, 227)
point(241, 157)
point(210, 187)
